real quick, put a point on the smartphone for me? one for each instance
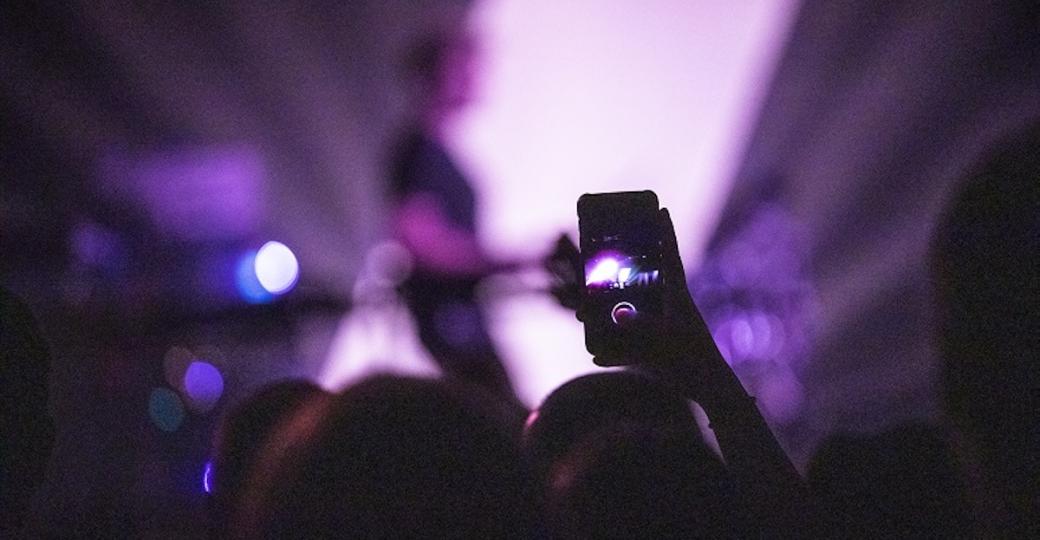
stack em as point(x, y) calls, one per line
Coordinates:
point(620, 244)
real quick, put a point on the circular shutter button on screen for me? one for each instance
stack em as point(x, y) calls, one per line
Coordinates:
point(623, 313)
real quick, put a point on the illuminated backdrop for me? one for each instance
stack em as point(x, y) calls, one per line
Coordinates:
point(580, 96)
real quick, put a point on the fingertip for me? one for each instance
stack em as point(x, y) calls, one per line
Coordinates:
point(665, 216)
point(667, 228)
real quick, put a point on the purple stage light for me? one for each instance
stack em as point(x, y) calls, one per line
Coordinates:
point(203, 385)
point(276, 267)
point(193, 193)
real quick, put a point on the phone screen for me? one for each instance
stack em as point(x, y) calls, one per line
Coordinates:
point(622, 263)
point(621, 255)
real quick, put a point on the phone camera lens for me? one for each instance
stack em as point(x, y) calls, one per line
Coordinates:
point(623, 313)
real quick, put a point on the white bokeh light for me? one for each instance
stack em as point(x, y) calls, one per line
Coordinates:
point(276, 267)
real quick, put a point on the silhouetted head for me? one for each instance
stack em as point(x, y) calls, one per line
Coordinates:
point(26, 427)
point(241, 436)
point(642, 482)
point(988, 287)
point(395, 457)
point(901, 483)
point(594, 402)
point(442, 67)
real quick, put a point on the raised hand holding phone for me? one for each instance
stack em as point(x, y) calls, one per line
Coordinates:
point(676, 346)
point(689, 359)
point(636, 305)
point(684, 353)
point(620, 262)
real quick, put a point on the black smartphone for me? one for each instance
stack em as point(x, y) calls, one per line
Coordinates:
point(620, 242)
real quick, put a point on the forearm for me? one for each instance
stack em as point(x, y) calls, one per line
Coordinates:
point(449, 254)
point(689, 358)
point(749, 447)
point(747, 443)
point(769, 482)
point(437, 245)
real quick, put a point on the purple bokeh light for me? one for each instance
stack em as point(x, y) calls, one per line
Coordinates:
point(203, 385)
point(756, 295)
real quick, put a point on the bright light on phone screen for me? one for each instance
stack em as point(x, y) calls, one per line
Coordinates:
point(617, 264)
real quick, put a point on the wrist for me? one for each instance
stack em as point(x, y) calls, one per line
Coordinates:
point(730, 411)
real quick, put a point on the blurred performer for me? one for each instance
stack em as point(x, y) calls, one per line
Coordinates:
point(435, 218)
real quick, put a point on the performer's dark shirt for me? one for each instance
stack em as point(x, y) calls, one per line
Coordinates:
point(448, 317)
point(421, 165)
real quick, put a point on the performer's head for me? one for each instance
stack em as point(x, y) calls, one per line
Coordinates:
point(442, 67)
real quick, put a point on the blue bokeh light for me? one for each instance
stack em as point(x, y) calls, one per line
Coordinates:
point(165, 409)
point(249, 287)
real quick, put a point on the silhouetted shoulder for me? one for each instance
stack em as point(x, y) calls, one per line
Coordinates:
point(26, 428)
